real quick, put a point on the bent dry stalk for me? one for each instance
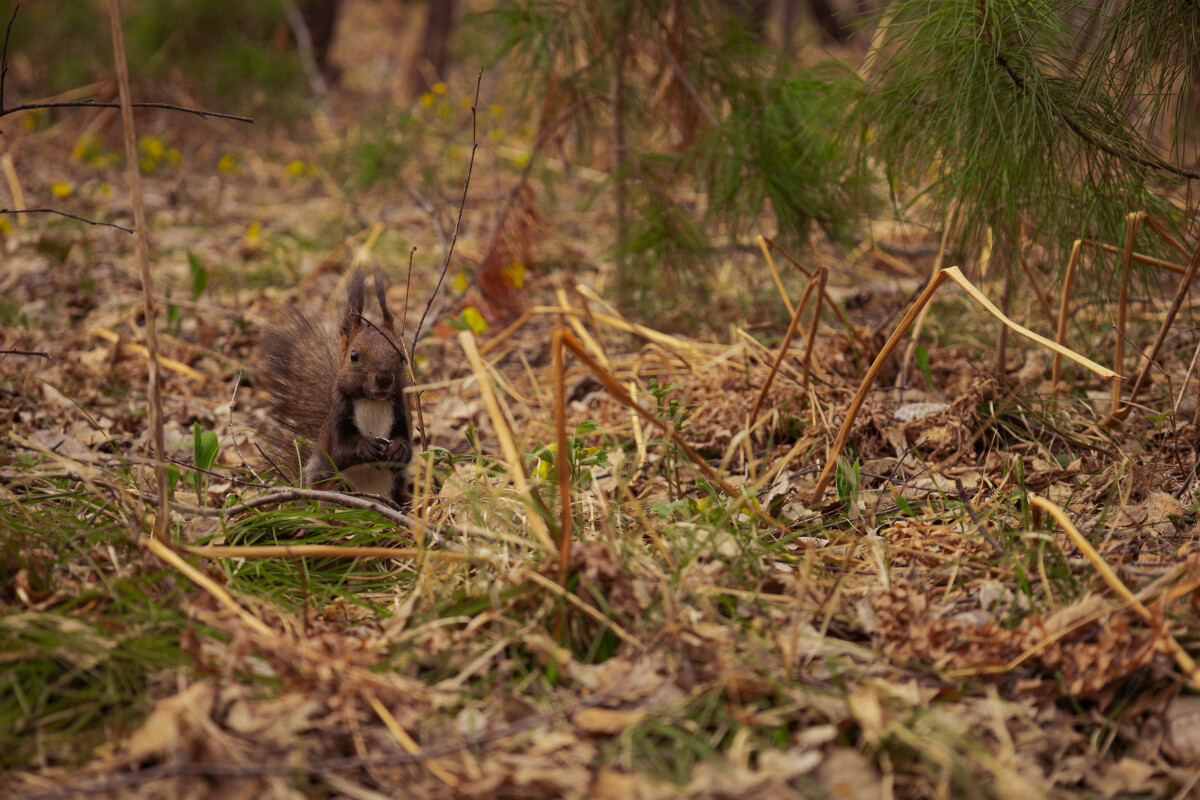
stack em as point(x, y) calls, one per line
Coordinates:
point(954, 274)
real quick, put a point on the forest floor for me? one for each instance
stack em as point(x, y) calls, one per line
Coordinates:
point(923, 629)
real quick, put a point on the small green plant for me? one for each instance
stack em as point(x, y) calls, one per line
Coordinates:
point(675, 415)
point(544, 458)
point(204, 455)
point(199, 275)
point(848, 485)
point(921, 355)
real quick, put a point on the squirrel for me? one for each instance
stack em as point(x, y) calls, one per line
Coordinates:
point(343, 388)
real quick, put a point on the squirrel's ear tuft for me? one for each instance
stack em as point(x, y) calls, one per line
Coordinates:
point(355, 294)
point(389, 322)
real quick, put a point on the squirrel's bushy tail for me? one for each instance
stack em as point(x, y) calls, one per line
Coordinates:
point(299, 367)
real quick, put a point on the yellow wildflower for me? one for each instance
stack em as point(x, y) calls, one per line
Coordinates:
point(152, 147)
point(254, 233)
point(174, 156)
point(438, 88)
point(426, 100)
point(5, 225)
point(147, 164)
point(228, 163)
point(296, 168)
point(61, 189)
point(88, 147)
point(515, 272)
point(460, 282)
point(495, 109)
point(105, 189)
point(474, 320)
point(542, 469)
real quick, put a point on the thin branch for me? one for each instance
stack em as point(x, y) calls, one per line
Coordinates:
point(154, 389)
point(384, 334)
point(233, 436)
point(93, 104)
point(364, 502)
point(407, 289)
point(65, 214)
point(24, 353)
point(461, 207)
point(4, 57)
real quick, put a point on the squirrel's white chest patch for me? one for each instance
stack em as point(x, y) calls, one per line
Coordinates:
point(374, 418)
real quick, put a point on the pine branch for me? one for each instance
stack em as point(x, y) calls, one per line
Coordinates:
point(1077, 129)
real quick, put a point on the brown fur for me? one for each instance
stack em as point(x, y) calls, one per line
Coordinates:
point(323, 383)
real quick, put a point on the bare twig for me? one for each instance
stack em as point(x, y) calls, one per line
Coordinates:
point(820, 278)
point(1063, 305)
point(562, 458)
point(833, 306)
point(384, 334)
point(363, 502)
point(93, 104)
point(461, 207)
point(407, 291)
point(1180, 293)
point(143, 246)
point(4, 56)
point(65, 214)
point(24, 353)
point(1131, 226)
point(792, 328)
point(233, 399)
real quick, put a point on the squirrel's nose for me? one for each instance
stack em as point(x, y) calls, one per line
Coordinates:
point(384, 380)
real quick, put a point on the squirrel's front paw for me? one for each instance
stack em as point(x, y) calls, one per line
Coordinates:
point(399, 451)
point(371, 449)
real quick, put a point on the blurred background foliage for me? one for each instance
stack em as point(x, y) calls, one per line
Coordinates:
point(1018, 126)
point(237, 54)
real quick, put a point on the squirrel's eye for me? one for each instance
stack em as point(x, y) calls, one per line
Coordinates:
point(353, 356)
